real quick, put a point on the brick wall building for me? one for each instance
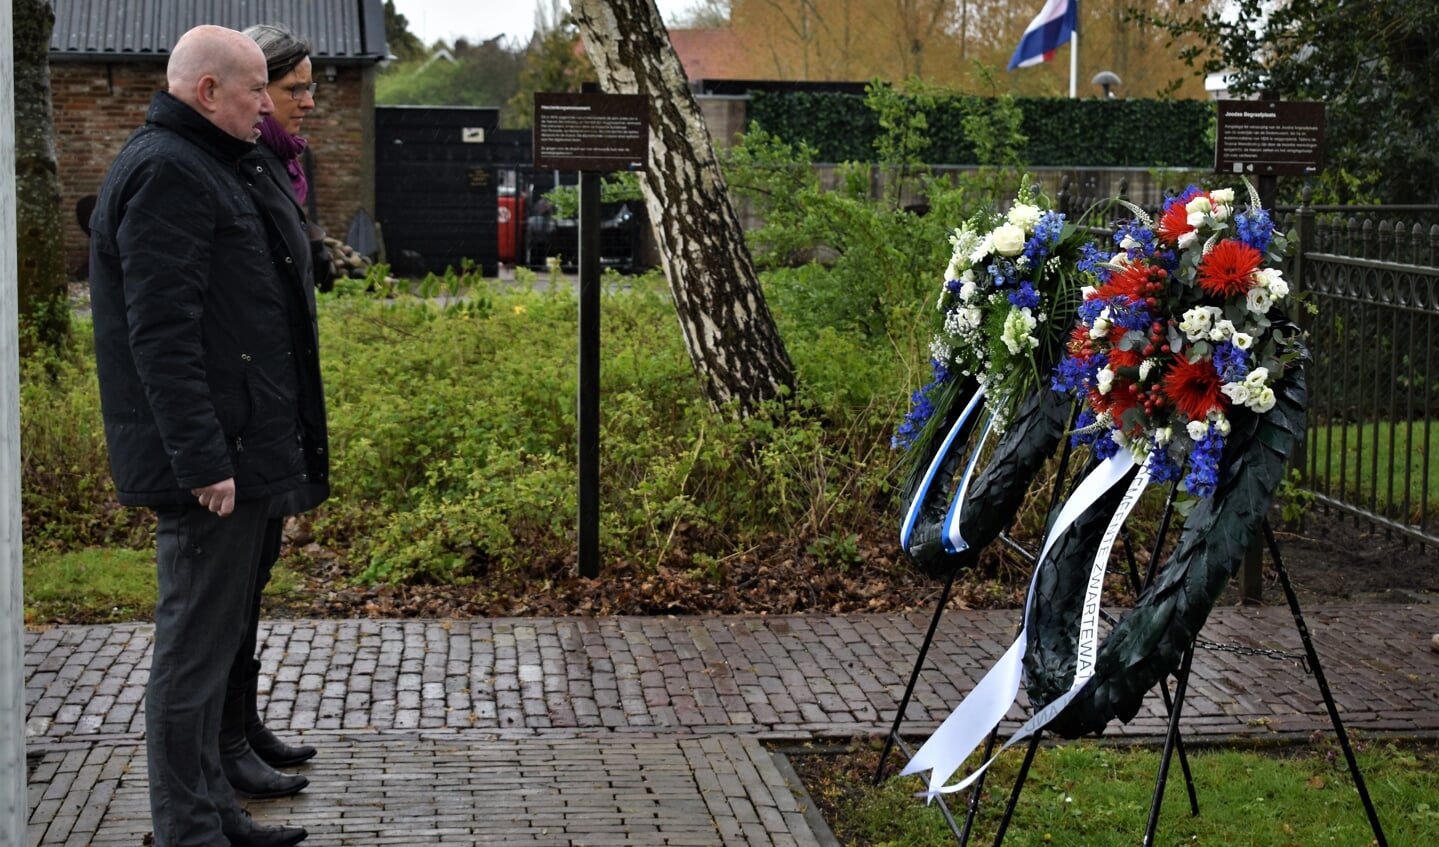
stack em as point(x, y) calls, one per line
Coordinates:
point(102, 78)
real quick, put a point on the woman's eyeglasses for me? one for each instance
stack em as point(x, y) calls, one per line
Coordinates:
point(298, 92)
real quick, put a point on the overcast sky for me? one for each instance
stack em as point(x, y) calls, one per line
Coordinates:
point(478, 20)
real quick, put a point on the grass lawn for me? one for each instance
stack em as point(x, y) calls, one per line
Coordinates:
point(102, 586)
point(1387, 465)
point(1089, 794)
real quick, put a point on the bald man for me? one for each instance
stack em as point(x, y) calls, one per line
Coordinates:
point(206, 351)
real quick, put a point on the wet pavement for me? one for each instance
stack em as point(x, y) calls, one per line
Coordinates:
point(642, 730)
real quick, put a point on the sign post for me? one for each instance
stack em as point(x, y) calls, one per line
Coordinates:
point(591, 133)
point(1264, 139)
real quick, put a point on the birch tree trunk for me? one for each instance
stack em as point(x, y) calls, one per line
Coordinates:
point(731, 336)
point(40, 238)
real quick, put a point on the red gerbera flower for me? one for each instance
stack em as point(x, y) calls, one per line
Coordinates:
point(1118, 356)
point(1130, 282)
point(1228, 269)
point(1194, 387)
point(1174, 222)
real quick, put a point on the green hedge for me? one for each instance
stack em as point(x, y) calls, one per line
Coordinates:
point(1061, 132)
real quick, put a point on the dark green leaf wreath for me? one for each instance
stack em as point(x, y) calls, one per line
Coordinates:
point(1149, 642)
point(997, 491)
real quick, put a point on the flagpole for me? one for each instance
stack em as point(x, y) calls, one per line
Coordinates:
point(1074, 51)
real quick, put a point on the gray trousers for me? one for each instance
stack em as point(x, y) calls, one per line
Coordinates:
point(206, 567)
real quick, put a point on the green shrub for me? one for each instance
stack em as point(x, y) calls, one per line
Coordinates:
point(66, 493)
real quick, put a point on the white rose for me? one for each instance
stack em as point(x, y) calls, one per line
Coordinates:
point(1197, 429)
point(1008, 240)
point(967, 288)
point(1188, 240)
point(956, 267)
point(1273, 280)
point(1258, 300)
point(1101, 324)
point(1024, 216)
point(1262, 400)
point(1224, 196)
point(1195, 323)
point(1104, 380)
point(1237, 392)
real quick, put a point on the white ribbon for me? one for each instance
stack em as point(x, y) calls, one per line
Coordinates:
point(953, 538)
point(985, 706)
point(912, 515)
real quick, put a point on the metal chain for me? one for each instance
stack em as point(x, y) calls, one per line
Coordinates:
point(1242, 650)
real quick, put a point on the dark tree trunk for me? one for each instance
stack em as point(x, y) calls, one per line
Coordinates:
point(732, 339)
point(40, 238)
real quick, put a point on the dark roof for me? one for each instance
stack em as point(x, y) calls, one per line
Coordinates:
point(342, 31)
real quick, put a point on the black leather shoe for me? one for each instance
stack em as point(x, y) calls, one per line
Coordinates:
point(247, 833)
point(276, 753)
point(250, 776)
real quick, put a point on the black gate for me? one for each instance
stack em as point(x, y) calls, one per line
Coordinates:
point(438, 181)
point(450, 185)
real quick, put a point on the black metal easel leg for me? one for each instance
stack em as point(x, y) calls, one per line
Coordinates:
point(914, 674)
point(972, 807)
point(1313, 657)
point(1170, 739)
point(1018, 787)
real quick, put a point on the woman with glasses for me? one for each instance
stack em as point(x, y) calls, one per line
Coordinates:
point(249, 751)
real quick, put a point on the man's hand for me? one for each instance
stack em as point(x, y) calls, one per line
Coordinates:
point(218, 498)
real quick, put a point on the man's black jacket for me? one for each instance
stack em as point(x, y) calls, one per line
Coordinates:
point(205, 334)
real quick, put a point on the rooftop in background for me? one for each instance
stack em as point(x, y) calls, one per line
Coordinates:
point(340, 31)
point(711, 53)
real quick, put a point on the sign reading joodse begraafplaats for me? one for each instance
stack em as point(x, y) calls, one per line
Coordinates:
point(591, 132)
point(1269, 137)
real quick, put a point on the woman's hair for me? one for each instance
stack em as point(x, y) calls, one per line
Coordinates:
point(283, 49)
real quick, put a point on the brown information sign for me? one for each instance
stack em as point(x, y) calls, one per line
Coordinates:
point(1269, 137)
point(592, 132)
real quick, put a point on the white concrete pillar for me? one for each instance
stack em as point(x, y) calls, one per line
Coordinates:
point(13, 812)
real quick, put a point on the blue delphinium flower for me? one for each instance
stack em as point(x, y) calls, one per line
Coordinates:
point(1162, 467)
point(1204, 464)
point(1105, 446)
point(1231, 363)
point(1077, 375)
point(1046, 235)
point(921, 409)
point(1255, 228)
point(1137, 234)
point(1024, 297)
point(1092, 259)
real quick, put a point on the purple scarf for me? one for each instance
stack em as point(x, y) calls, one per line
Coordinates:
point(288, 147)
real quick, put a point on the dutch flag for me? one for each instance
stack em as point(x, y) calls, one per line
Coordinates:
point(1052, 27)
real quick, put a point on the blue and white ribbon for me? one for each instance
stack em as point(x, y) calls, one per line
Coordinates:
point(911, 516)
point(985, 706)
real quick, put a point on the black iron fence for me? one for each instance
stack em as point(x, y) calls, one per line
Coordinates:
point(1371, 275)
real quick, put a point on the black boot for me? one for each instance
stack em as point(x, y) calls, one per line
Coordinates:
point(266, 745)
point(247, 772)
point(244, 832)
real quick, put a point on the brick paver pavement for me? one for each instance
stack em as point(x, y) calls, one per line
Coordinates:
point(639, 731)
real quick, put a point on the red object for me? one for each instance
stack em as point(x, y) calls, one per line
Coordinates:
point(511, 219)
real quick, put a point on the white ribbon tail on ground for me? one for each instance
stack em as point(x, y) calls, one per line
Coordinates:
point(981, 711)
